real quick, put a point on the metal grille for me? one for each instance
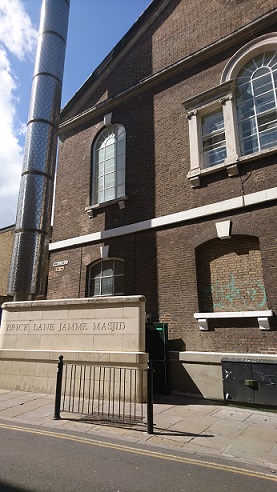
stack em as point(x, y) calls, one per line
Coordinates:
point(112, 394)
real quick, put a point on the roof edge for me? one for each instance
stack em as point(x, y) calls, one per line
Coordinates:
point(111, 55)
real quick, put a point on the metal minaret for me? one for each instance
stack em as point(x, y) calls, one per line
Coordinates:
point(33, 222)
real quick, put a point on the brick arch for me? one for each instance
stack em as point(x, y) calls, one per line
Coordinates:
point(230, 275)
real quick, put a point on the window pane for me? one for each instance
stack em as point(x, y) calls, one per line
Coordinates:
point(101, 169)
point(259, 60)
point(257, 115)
point(120, 147)
point(120, 177)
point(120, 190)
point(110, 151)
point(248, 69)
point(100, 197)
point(109, 194)
point(106, 278)
point(120, 132)
point(245, 110)
point(268, 138)
point(96, 291)
point(249, 145)
point(107, 286)
point(213, 139)
point(110, 180)
point(107, 268)
point(267, 121)
point(100, 155)
point(265, 102)
point(120, 161)
point(247, 128)
point(212, 123)
point(271, 59)
point(110, 166)
point(243, 93)
point(109, 156)
point(101, 183)
point(214, 156)
point(262, 84)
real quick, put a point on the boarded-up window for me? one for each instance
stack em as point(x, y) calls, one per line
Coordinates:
point(229, 275)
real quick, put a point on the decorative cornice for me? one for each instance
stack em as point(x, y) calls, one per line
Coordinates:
point(228, 97)
point(190, 114)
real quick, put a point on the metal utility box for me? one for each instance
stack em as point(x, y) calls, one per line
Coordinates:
point(250, 381)
point(157, 347)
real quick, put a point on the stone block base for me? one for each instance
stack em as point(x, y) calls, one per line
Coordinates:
point(36, 371)
point(199, 374)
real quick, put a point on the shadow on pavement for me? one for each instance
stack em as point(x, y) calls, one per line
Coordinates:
point(6, 487)
point(175, 399)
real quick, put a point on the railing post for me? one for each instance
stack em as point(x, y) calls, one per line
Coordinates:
point(57, 410)
point(150, 371)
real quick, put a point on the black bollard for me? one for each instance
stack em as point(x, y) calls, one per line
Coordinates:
point(150, 424)
point(57, 411)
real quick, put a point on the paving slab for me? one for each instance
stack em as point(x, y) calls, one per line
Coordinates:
point(273, 455)
point(12, 401)
point(246, 435)
point(249, 447)
point(24, 407)
point(192, 425)
point(261, 434)
point(229, 429)
point(232, 414)
point(263, 419)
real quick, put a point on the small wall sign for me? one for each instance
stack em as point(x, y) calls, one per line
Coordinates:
point(60, 263)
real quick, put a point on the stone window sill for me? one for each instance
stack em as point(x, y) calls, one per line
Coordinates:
point(230, 164)
point(262, 317)
point(93, 208)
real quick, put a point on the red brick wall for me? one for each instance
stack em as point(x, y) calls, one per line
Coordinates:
point(157, 151)
point(162, 264)
point(230, 276)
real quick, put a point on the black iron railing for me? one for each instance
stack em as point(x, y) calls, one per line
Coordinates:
point(105, 393)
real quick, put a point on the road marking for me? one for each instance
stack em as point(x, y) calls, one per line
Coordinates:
point(153, 454)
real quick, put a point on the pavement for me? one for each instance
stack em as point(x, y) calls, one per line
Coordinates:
point(199, 427)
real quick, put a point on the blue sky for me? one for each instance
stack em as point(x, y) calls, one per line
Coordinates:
point(95, 26)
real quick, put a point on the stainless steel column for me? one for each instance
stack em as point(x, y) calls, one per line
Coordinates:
point(33, 222)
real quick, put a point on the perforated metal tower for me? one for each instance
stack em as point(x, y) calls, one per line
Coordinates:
point(33, 223)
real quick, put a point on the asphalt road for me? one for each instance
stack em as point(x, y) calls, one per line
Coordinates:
point(37, 460)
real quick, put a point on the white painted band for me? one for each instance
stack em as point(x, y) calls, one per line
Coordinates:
point(184, 216)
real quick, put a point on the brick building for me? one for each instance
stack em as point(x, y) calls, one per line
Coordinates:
point(166, 182)
point(6, 239)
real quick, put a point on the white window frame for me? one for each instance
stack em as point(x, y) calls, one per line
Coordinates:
point(213, 138)
point(218, 98)
point(119, 197)
point(95, 177)
point(224, 96)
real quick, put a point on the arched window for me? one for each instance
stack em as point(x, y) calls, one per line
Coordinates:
point(106, 278)
point(109, 156)
point(256, 103)
point(237, 118)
